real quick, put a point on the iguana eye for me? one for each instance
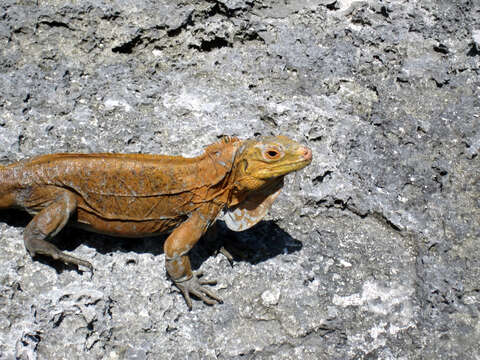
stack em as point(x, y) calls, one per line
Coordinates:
point(272, 154)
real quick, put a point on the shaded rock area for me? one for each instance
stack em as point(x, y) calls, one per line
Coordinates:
point(371, 252)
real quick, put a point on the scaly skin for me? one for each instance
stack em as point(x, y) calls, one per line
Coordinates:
point(137, 195)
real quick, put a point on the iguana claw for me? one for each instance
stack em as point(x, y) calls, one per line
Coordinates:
point(195, 287)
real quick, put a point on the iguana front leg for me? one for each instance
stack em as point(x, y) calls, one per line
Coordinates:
point(176, 247)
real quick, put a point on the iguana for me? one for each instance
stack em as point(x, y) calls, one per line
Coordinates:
point(136, 195)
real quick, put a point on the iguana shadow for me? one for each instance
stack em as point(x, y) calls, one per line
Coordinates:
point(255, 245)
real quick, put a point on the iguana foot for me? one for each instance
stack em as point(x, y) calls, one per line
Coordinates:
point(225, 253)
point(36, 246)
point(72, 260)
point(235, 251)
point(195, 287)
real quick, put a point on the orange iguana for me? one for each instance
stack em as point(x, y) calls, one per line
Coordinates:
point(137, 195)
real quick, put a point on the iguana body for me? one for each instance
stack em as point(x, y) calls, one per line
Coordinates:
point(137, 195)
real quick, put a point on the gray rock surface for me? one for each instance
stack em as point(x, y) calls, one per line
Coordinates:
point(372, 252)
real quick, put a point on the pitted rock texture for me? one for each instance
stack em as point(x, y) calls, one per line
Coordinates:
point(371, 252)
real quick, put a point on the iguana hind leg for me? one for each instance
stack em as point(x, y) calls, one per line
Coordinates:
point(47, 223)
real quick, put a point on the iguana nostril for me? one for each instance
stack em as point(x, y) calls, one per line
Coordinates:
point(306, 152)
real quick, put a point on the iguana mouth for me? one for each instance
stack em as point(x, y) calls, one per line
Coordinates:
point(275, 171)
point(297, 165)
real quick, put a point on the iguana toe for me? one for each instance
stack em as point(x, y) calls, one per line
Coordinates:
point(195, 287)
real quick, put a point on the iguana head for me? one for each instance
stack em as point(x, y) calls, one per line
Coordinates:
point(260, 166)
point(259, 162)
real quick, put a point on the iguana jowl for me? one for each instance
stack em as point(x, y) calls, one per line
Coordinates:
point(137, 195)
